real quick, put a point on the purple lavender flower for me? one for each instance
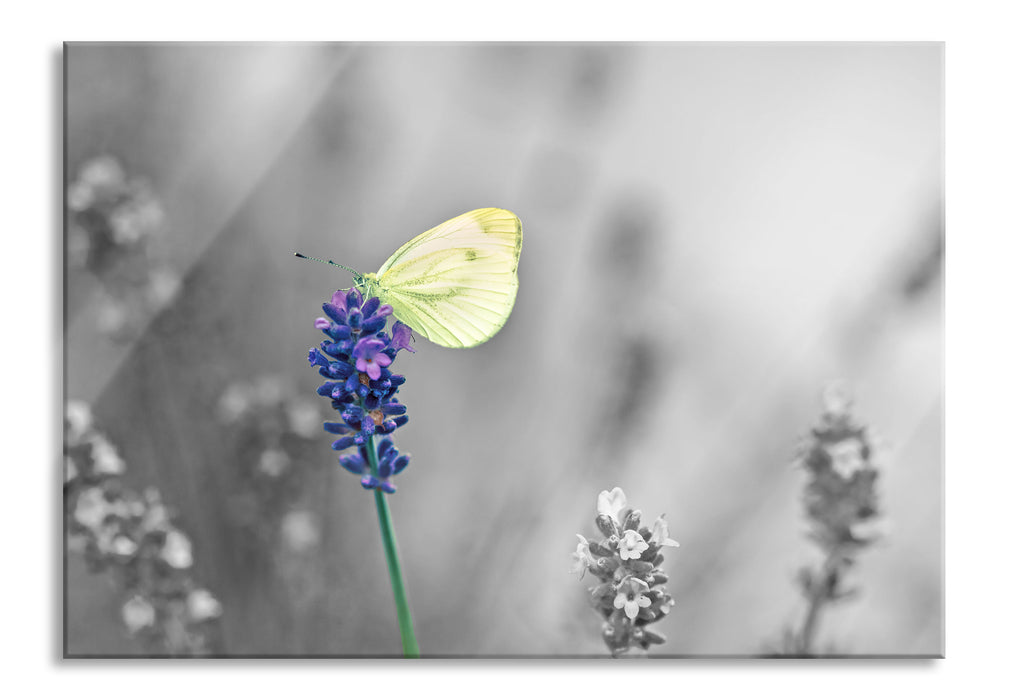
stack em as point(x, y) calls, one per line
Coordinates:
point(402, 334)
point(355, 360)
point(370, 358)
point(390, 463)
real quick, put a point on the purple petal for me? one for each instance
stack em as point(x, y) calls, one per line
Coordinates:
point(368, 426)
point(369, 307)
point(366, 347)
point(352, 463)
point(402, 334)
point(343, 443)
point(321, 323)
point(399, 464)
point(339, 300)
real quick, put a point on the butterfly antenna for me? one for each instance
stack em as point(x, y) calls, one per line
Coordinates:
point(329, 262)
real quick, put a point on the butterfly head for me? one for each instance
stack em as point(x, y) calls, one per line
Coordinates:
point(367, 284)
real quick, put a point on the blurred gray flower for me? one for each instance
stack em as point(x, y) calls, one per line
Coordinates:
point(100, 178)
point(69, 470)
point(234, 402)
point(274, 462)
point(202, 605)
point(846, 456)
point(138, 613)
point(304, 418)
point(136, 217)
point(91, 508)
point(123, 546)
point(78, 421)
point(162, 287)
point(300, 531)
point(112, 315)
point(177, 550)
point(105, 457)
point(269, 391)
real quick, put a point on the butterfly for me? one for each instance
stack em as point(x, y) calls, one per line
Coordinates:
point(454, 284)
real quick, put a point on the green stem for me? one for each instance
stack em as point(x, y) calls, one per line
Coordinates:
point(411, 649)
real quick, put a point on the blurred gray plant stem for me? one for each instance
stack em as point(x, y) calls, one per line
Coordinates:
point(630, 595)
point(133, 537)
point(842, 507)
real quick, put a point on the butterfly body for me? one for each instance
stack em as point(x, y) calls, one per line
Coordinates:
point(456, 283)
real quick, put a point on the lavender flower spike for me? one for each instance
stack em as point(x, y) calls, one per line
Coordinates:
point(354, 359)
point(630, 595)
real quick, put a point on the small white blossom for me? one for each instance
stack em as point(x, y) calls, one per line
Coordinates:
point(582, 556)
point(630, 596)
point(632, 545)
point(846, 456)
point(612, 503)
point(660, 533)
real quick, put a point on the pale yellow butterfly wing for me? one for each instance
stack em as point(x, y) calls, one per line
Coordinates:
point(456, 284)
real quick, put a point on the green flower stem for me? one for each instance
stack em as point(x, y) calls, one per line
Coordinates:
point(411, 649)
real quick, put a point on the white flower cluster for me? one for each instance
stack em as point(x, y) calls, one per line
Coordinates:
point(132, 536)
point(626, 561)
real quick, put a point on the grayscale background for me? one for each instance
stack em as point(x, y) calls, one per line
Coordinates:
point(712, 233)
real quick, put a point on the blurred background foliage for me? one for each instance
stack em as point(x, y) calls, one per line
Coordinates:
point(712, 232)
